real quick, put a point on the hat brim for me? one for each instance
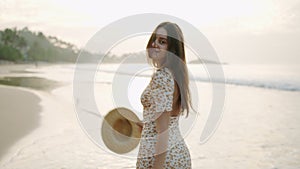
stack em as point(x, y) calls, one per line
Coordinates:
point(119, 130)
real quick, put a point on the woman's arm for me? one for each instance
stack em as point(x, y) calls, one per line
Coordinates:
point(162, 126)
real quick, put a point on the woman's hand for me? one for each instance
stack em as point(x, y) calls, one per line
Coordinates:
point(140, 124)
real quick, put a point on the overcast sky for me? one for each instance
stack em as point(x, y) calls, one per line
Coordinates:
point(241, 31)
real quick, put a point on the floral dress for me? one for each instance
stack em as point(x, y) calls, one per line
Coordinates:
point(157, 98)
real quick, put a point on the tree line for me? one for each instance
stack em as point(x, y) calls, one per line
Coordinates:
point(25, 45)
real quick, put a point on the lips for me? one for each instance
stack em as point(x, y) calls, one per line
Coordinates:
point(153, 55)
point(153, 52)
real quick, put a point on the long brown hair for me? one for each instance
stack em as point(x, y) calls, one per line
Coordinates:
point(176, 62)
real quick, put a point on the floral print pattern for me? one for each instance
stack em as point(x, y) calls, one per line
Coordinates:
point(158, 98)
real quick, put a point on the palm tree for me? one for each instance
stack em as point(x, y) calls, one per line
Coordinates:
point(8, 36)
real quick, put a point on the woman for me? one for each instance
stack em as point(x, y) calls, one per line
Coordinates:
point(164, 100)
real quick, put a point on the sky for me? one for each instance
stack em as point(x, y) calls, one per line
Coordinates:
point(241, 31)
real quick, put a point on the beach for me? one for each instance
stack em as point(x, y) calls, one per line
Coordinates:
point(20, 111)
point(259, 127)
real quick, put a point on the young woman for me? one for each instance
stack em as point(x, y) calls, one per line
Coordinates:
point(165, 98)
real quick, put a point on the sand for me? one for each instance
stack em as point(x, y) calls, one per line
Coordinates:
point(260, 129)
point(19, 115)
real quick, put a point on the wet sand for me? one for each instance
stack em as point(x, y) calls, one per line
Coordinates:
point(19, 115)
point(20, 107)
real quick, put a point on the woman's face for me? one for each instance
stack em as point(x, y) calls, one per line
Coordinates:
point(159, 46)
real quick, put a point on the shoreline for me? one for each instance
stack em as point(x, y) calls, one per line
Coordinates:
point(23, 105)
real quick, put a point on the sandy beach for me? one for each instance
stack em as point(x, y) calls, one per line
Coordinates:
point(20, 114)
point(259, 129)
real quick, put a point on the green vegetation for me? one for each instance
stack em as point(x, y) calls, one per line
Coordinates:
point(24, 45)
point(27, 46)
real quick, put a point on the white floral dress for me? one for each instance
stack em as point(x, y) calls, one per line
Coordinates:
point(157, 98)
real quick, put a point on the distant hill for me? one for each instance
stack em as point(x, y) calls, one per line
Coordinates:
point(140, 57)
point(204, 61)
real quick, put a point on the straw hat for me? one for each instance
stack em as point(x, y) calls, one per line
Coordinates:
point(119, 131)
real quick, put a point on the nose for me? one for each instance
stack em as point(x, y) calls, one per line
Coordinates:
point(154, 44)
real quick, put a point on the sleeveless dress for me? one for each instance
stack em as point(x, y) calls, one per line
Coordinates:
point(157, 98)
